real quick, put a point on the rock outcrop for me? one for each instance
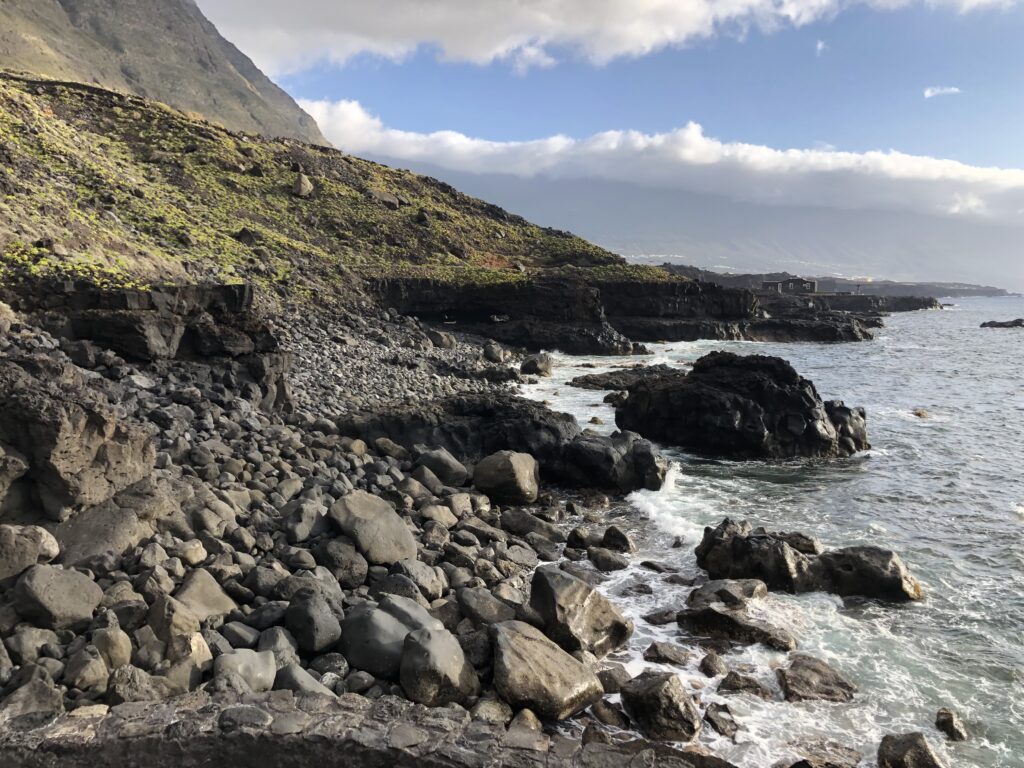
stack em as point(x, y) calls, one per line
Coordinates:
point(743, 407)
point(795, 563)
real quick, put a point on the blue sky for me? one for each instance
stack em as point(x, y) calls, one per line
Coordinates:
point(863, 91)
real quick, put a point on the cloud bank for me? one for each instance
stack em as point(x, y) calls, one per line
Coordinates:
point(523, 33)
point(687, 159)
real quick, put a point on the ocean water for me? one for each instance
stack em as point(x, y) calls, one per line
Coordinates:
point(944, 489)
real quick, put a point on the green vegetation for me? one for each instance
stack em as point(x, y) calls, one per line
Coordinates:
point(127, 191)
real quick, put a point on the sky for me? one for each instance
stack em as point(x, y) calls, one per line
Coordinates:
point(889, 105)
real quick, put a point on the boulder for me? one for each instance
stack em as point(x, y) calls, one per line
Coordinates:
point(949, 723)
point(373, 634)
point(169, 617)
point(22, 546)
point(538, 365)
point(624, 461)
point(575, 615)
point(343, 560)
point(312, 622)
point(531, 671)
point(203, 596)
point(660, 707)
point(732, 593)
point(293, 677)
point(302, 187)
point(733, 626)
point(808, 679)
point(869, 572)
point(31, 692)
point(794, 563)
point(54, 598)
point(734, 682)
point(130, 684)
point(434, 670)
point(79, 451)
point(377, 530)
point(446, 467)
point(742, 407)
point(257, 668)
point(509, 477)
point(908, 750)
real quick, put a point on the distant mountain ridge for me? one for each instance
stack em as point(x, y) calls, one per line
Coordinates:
point(165, 50)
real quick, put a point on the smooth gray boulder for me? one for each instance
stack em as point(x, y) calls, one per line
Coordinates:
point(575, 615)
point(531, 671)
point(373, 634)
point(508, 477)
point(377, 530)
point(257, 668)
point(312, 622)
point(660, 707)
point(294, 678)
point(446, 467)
point(54, 598)
point(434, 670)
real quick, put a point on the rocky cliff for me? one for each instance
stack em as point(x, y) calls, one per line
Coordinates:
point(165, 50)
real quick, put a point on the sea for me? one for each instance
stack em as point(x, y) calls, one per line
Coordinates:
point(943, 485)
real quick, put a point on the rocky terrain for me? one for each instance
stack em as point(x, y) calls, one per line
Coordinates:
point(161, 49)
point(252, 507)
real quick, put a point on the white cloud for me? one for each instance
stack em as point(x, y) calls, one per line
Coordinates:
point(941, 90)
point(293, 36)
point(820, 48)
point(690, 160)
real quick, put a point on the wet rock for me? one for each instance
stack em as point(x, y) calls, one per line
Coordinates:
point(507, 476)
point(434, 671)
point(743, 407)
point(808, 678)
point(538, 365)
point(531, 671)
point(734, 682)
point(719, 717)
point(712, 665)
point(733, 593)
point(54, 598)
point(378, 532)
point(617, 540)
point(660, 707)
point(868, 572)
point(949, 723)
point(666, 653)
point(575, 615)
point(607, 561)
point(734, 626)
point(909, 750)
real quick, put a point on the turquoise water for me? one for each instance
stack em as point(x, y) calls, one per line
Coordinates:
point(945, 490)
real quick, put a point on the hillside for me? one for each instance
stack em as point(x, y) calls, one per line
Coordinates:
point(120, 189)
point(162, 49)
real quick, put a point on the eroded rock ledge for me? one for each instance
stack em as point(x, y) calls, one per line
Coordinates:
point(283, 730)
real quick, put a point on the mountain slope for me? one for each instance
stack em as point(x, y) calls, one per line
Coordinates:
point(118, 189)
point(161, 49)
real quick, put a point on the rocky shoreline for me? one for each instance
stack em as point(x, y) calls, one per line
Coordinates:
point(227, 536)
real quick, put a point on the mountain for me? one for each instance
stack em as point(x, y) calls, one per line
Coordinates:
point(119, 190)
point(164, 50)
point(726, 235)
